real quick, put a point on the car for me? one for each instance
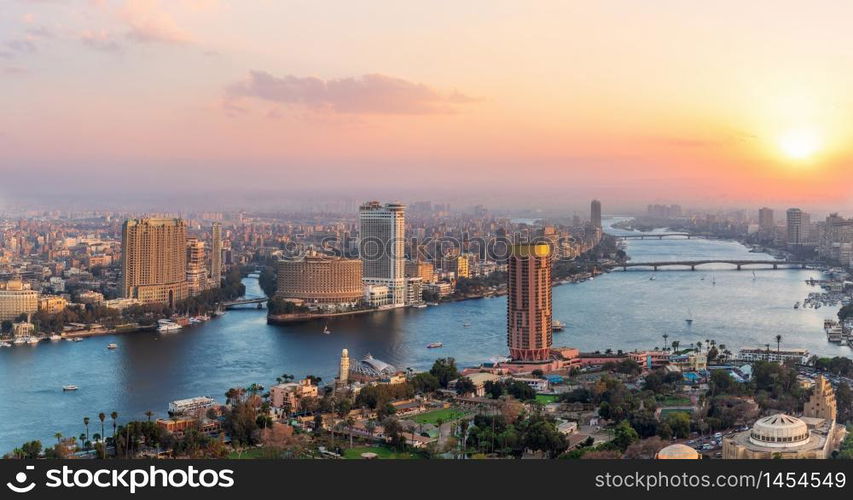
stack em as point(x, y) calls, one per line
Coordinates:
point(718, 435)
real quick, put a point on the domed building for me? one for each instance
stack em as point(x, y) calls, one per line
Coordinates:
point(370, 369)
point(814, 435)
point(678, 452)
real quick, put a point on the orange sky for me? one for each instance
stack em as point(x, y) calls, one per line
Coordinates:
point(628, 101)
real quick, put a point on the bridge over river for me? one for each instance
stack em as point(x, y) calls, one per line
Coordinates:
point(231, 304)
point(693, 264)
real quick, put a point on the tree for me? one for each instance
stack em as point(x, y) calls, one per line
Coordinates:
point(114, 416)
point(149, 414)
point(444, 369)
point(679, 422)
point(86, 424)
point(102, 417)
point(425, 383)
point(31, 450)
point(778, 343)
point(624, 435)
point(464, 385)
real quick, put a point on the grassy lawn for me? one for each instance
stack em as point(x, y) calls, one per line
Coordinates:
point(669, 411)
point(381, 452)
point(431, 417)
point(546, 398)
point(675, 402)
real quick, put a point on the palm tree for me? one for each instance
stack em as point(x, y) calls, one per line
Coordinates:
point(58, 437)
point(114, 416)
point(699, 345)
point(102, 417)
point(86, 423)
point(778, 343)
point(675, 344)
point(149, 414)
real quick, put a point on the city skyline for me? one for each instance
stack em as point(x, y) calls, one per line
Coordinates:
point(243, 101)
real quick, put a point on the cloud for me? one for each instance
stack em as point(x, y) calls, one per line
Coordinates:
point(150, 23)
point(22, 46)
point(100, 40)
point(367, 94)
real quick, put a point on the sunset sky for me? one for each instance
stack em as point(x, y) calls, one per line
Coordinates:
point(703, 103)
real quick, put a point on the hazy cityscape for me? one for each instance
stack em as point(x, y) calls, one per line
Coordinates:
point(400, 329)
point(427, 231)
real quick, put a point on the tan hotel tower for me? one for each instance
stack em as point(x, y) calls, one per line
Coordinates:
point(529, 333)
point(154, 260)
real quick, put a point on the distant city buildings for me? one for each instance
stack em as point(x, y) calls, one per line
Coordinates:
point(664, 211)
point(595, 213)
point(529, 328)
point(154, 260)
point(794, 220)
point(216, 255)
point(766, 224)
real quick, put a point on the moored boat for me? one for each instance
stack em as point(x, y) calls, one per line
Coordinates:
point(434, 345)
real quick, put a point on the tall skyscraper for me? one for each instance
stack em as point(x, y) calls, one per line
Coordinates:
point(595, 213)
point(196, 272)
point(154, 260)
point(382, 248)
point(529, 333)
point(216, 256)
point(795, 226)
point(766, 224)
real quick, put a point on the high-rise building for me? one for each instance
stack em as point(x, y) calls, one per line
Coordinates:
point(382, 248)
point(794, 219)
point(529, 329)
point(154, 260)
point(595, 213)
point(216, 256)
point(196, 272)
point(766, 224)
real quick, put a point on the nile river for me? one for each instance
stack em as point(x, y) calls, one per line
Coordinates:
point(620, 310)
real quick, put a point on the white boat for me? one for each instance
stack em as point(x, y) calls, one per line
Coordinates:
point(166, 325)
point(33, 340)
point(19, 341)
point(434, 345)
point(466, 324)
point(557, 326)
point(69, 387)
point(420, 306)
point(76, 339)
point(5, 344)
point(112, 346)
point(326, 330)
point(55, 337)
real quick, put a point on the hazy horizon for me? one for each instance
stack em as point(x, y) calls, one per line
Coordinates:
point(198, 104)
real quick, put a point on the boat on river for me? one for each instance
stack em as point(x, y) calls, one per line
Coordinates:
point(434, 345)
point(67, 388)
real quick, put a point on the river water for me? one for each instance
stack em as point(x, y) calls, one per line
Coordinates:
point(619, 310)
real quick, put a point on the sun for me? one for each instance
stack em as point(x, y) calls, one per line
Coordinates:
point(800, 144)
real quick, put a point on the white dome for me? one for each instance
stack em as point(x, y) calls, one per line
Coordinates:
point(677, 452)
point(779, 431)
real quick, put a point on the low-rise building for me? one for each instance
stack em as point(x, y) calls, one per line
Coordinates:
point(288, 396)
